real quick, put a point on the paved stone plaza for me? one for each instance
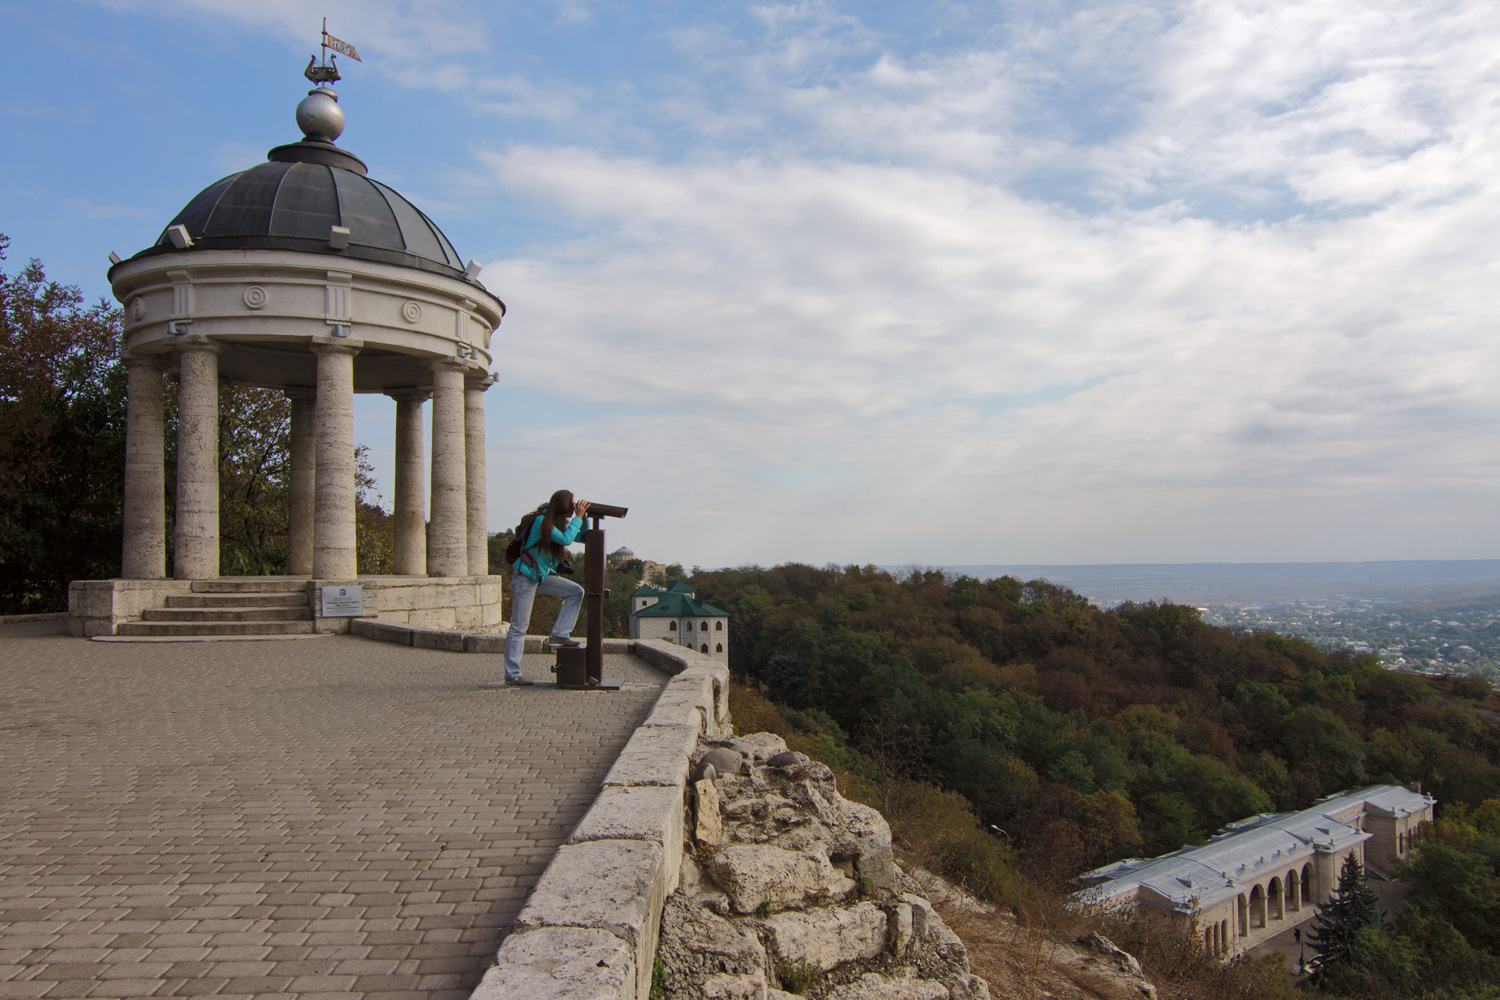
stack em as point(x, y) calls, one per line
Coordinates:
point(324, 817)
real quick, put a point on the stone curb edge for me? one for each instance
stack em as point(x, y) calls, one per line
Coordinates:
point(589, 928)
point(42, 616)
point(455, 640)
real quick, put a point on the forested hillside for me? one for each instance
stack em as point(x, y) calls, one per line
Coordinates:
point(1083, 735)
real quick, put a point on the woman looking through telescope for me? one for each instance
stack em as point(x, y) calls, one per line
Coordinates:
point(535, 573)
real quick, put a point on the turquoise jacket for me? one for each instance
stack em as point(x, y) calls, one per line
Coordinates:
point(545, 562)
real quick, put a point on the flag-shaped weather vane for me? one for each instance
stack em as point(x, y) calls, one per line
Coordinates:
point(328, 70)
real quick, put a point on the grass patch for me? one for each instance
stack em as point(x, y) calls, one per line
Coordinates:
point(658, 981)
point(799, 977)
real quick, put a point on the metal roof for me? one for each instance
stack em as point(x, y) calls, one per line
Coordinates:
point(680, 606)
point(292, 202)
point(1383, 800)
point(1246, 851)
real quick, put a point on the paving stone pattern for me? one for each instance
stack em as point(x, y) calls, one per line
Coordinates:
point(329, 818)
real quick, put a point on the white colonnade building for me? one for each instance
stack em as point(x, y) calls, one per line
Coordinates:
point(1265, 875)
point(305, 274)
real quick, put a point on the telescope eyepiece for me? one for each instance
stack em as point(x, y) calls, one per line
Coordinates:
point(605, 510)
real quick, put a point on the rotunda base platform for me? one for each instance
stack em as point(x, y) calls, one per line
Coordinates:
point(279, 604)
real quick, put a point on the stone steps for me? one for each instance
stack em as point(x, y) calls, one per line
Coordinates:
point(259, 599)
point(210, 628)
point(235, 614)
point(252, 585)
point(254, 606)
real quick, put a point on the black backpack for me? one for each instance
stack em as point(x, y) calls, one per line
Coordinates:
point(516, 550)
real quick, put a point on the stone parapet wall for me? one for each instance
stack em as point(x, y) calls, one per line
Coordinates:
point(591, 925)
point(95, 607)
point(98, 607)
point(458, 602)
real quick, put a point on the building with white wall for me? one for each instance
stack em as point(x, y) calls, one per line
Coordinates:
point(676, 614)
point(1264, 875)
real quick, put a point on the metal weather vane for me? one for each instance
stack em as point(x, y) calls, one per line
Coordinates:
point(328, 70)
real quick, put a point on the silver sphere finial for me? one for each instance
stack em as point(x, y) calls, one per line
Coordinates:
point(319, 115)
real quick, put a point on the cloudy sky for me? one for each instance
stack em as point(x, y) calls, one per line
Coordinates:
point(897, 283)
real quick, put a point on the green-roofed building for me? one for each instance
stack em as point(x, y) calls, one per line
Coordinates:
point(676, 614)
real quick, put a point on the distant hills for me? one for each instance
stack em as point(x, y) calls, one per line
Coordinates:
point(1253, 583)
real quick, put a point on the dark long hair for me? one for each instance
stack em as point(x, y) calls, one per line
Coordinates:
point(559, 513)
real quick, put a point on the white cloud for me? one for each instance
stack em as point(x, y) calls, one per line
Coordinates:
point(1343, 103)
point(442, 45)
point(415, 32)
point(1132, 282)
point(570, 12)
point(930, 336)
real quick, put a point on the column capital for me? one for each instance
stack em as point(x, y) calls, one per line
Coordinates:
point(349, 347)
point(449, 364)
point(481, 382)
point(410, 395)
point(306, 395)
point(147, 361)
point(197, 342)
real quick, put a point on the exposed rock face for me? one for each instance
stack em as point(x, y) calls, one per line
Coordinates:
point(790, 889)
point(760, 875)
point(708, 830)
point(1124, 960)
point(1113, 970)
point(829, 936)
point(873, 986)
point(943, 893)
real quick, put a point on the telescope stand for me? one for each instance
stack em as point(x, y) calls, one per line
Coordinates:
point(581, 668)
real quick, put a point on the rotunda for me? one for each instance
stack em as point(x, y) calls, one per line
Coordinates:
point(307, 275)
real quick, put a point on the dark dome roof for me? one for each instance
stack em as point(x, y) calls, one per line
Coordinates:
point(292, 201)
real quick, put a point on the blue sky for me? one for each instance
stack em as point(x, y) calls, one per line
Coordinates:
point(895, 283)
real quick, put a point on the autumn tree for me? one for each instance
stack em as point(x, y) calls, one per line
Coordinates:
point(374, 526)
point(254, 434)
point(62, 439)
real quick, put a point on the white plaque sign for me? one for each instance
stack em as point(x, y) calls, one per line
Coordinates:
point(343, 602)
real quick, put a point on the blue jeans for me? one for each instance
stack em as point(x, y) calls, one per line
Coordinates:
point(523, 591)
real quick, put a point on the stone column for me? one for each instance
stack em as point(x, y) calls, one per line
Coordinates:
point(143, 552)
point(301, 483)
point(333, 503)
point(474, 484)
point(411, 493)
point(196, 534)
point(447, 541)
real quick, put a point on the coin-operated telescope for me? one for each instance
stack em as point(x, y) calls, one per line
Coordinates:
point(582, 668)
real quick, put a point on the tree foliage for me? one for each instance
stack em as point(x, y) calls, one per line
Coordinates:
point(1088, 734)
point(1444, 944)
point(254, 443)
point(62, 439)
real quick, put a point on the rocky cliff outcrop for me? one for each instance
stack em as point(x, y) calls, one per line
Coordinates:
point(787, 888)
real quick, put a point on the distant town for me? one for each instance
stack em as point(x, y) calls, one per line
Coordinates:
point(1438, 616)
point(1457, 637)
